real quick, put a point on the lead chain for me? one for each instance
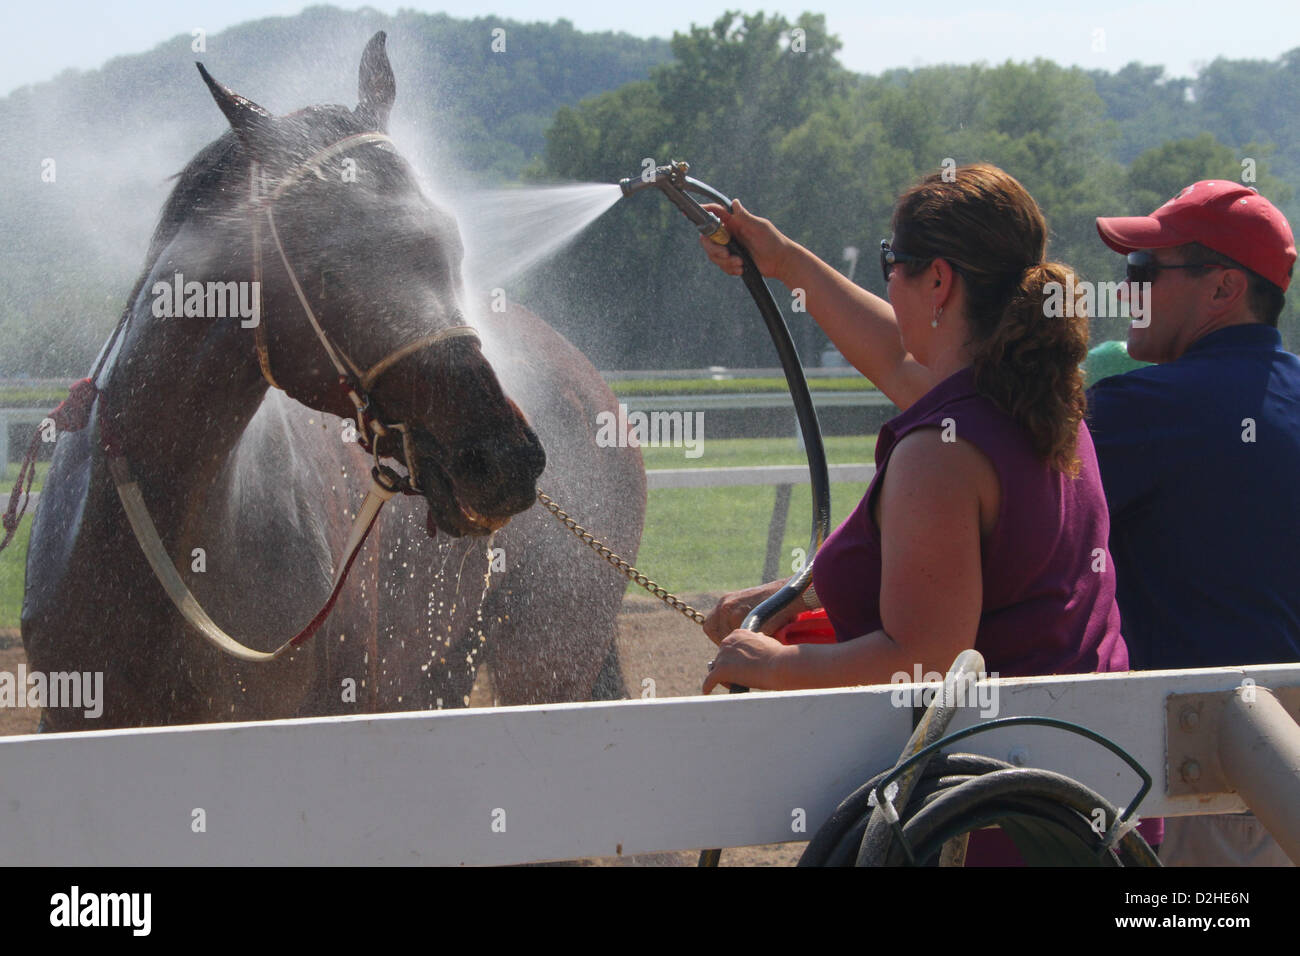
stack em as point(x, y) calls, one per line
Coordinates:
point(624, 568)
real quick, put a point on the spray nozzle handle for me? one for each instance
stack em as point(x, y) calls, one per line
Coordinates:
point(673, 182)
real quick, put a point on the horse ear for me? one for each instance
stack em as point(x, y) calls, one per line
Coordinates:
point(250, 122)
point(376, 86)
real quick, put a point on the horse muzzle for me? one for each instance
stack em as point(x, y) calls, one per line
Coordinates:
point(477, 488)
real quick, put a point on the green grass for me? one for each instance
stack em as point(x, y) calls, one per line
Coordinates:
point(13, 559)
point(711, 539)
point(706, 539)
point(32, 397)
point(13, 563)
point(707, 386)
point(11, 475)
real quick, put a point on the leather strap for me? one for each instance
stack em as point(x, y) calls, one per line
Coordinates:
point(146, 534)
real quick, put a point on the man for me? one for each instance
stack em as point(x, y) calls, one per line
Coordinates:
point(1200, 459)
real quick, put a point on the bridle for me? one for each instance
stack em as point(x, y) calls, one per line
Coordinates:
point(356, 383)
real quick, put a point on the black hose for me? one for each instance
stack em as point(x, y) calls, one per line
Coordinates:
point(804, 409)
point(806, 413)
point(1049, 816)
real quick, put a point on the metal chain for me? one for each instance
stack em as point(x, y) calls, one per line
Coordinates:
point(625, 568)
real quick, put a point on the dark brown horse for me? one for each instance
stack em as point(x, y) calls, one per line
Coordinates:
point(252, 489)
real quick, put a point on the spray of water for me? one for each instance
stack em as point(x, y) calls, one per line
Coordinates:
point(508, 231)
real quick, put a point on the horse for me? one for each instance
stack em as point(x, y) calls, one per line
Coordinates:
point(252, 488)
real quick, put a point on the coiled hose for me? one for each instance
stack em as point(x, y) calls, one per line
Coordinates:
point(1048, 815)
point(920, 811)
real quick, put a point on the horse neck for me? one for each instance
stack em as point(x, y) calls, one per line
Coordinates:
point(182, 390)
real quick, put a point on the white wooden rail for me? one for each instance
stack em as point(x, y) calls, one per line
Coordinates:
point(514, 785)
point(751, 475)
point(742, 400)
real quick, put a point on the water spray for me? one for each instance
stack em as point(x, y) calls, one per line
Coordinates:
point(672, 180)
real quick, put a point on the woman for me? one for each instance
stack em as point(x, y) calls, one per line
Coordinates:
point(986, 524)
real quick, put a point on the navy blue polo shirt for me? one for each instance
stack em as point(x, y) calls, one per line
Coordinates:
point(1200, 459)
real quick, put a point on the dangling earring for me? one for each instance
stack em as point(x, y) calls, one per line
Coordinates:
point(934, 323)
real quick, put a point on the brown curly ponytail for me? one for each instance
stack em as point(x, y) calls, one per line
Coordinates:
point(1026, 357)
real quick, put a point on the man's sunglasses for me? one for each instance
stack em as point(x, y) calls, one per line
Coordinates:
point(890, 258)
point(1142, 266)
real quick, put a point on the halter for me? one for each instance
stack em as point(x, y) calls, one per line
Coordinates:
point(355, 383)
point(384, 482)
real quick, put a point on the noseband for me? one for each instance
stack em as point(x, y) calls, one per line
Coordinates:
point(355, 383)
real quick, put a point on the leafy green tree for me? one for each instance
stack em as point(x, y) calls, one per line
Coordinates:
point(1161, 172)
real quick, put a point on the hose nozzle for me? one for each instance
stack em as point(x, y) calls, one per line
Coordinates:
point(674, 183)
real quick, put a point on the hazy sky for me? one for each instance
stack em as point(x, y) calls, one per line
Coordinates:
point(40, 39)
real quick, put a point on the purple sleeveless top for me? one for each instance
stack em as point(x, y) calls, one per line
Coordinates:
point(1045, 609)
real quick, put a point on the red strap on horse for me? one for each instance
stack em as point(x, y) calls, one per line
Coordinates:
point(71, 416)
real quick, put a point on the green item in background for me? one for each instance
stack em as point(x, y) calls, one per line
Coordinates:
point(1107, 359)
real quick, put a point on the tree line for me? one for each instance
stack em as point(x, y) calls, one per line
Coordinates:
point(763, 110)
point(759, 105)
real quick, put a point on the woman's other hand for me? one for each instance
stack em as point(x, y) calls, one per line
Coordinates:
point(732, 610)
point(749, 659)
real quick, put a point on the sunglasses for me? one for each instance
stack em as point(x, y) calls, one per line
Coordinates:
point(891, 257)
point(1142, 266)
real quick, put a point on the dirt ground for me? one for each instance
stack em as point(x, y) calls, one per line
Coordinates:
point(654, 642)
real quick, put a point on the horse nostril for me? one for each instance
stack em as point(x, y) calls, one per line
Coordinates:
point(500, 477)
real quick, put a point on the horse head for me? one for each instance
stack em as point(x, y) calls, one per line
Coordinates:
point(362, 302)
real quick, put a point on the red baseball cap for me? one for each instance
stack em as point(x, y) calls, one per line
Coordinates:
point(1227, 217)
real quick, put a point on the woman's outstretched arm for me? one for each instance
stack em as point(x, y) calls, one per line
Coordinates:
point(861, 325)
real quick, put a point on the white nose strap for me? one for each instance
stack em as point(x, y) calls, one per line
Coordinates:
point(434, 338)
point(382, 366)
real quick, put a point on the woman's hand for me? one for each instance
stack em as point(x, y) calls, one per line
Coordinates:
point(732, 610)
point(770, 249)
point(747, 658)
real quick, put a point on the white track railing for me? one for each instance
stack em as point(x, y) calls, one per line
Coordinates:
point(522, 784)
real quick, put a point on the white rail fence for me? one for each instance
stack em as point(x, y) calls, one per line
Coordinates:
point(524, 784)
